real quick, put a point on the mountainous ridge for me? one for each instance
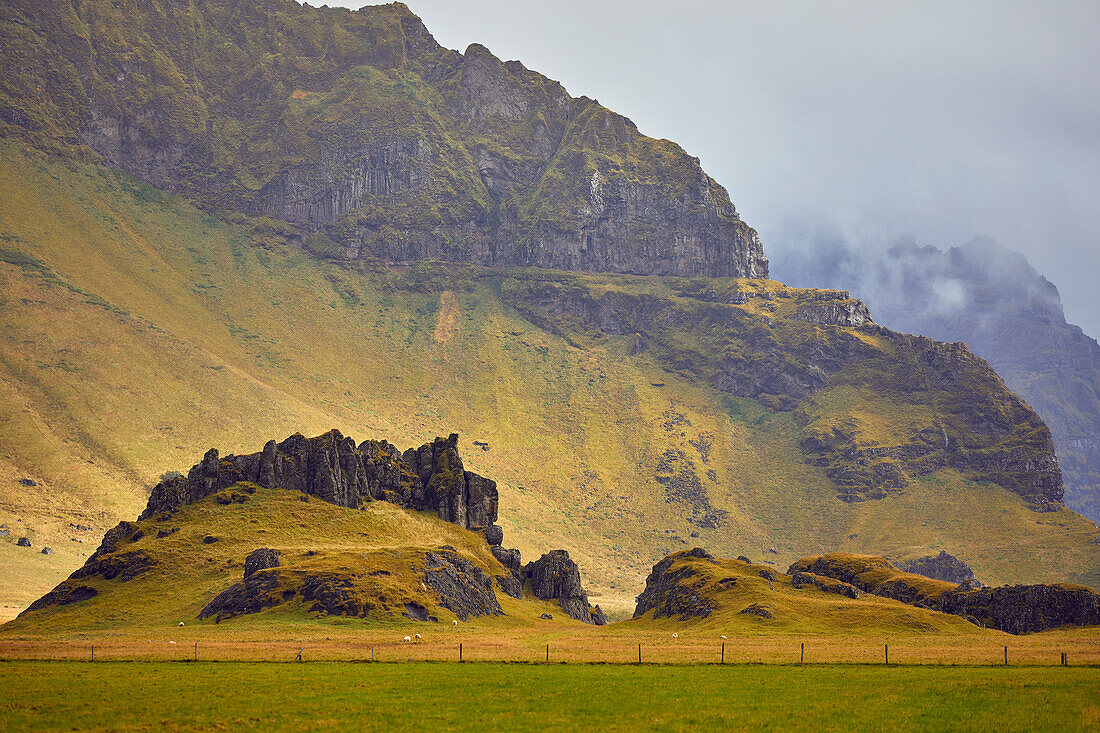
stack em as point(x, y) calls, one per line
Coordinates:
point(372, 140)
point(995, 301)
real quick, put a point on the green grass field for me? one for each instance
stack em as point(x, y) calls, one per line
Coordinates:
point(325, 696)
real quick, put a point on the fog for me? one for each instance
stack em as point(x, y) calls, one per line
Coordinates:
point(870, 121)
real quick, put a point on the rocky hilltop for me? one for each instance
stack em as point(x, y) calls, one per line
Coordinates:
point(380, 577)
point(363, 133)
point(993, 300)
point(334, 468)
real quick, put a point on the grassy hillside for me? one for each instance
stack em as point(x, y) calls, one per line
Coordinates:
point(136, 332)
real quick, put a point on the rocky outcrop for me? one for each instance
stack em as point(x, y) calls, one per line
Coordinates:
point(940, 567)
point(1022, 609)
point(383, 146)
point(262, 559)
point(251, 595)
point(675, 592)
point(337, 470)
point(829, 585)
point(1017, 609)
point(463, 587)
point(63, 595)
point(556, 577)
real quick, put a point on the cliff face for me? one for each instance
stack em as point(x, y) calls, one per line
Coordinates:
point(369, 137)
point(1005, 311)
point(818, 353)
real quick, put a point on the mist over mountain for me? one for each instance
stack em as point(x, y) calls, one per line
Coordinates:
point(992, 299)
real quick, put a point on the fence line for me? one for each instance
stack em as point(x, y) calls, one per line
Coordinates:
point(1086, 653)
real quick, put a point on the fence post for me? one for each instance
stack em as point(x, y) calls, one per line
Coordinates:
point(372, 654)
point(93, 652)
point(723, 652)
point(547, 652)
point(802, 652)
point(460, 651)
point(196, 651)
point(887, 648)
point(639, 654)
point(1006, 655)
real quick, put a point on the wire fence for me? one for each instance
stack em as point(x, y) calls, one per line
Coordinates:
point(730, 652)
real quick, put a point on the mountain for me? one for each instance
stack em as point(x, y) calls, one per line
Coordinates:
point(624, 410)
point(993, 300)
point(373, 140)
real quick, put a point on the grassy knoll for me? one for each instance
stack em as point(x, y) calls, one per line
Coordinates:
point(525, 697)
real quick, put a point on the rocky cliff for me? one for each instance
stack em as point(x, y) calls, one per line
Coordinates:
point(335, 469)
point(993, 300)
point(366, 135)
point(811, 351)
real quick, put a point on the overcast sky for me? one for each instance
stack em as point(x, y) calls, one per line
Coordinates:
point(940, 120)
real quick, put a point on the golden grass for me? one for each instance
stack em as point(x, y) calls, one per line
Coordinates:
point(166, 332)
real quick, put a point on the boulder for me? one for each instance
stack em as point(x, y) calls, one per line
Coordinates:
point(756, 610)
point(494, 535)
point(47, 550)
point(261, 559)
point(555, 576)
point(23, 542)
point(940, 567)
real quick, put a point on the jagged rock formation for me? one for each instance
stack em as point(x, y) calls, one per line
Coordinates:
point(262, 559)
point(333, 468)
point(452, 581)
point(669, 593)
point(556, 577)
point(1021, 609)
point(782, 346)
point(940, 567)
point(364, 134)
point(463, 587)
point(993, 300)
point(1017, 609)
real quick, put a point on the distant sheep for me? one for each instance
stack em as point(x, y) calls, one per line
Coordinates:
point(723, 636)
point(181, 623)
point(417, 637)
point(406, 640)
point(675, 635)
point(455, 622)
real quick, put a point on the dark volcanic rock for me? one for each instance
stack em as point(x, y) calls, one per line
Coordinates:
point(756, 610)
point(23, 542)
point(555, 576)
point(508, 558)
point(260, 559)
point(516, 170)
point(671, 592)
point(63, 595)
point(511, 585)
point(1020, 609)
point(124, 565)
point(494, 535)
point(333, 468)
point(47, 550)
point(829, 585)
point(251, 595)
point(598, 617)
point(463, 587)
point(940, 567)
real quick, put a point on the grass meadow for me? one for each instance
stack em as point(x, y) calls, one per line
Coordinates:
point(427, 696)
